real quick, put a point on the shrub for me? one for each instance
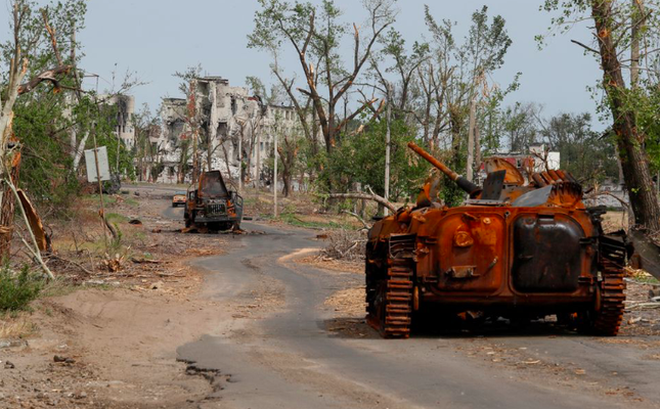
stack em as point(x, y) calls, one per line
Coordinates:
point(18, 289)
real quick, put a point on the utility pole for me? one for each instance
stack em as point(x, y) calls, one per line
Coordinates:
point(470, 156)
point(240, 160)
point(275, 177)
point(388, 143)
point(258, 166)
point(98, 178)
point(477, 148)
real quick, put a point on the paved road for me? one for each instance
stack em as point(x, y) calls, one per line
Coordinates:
point(285, 357)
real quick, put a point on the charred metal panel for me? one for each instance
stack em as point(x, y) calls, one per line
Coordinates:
point(471, 252)
point(547, 254)
point(493, 185)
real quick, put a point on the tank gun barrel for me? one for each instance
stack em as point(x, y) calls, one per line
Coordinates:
point(461, 181)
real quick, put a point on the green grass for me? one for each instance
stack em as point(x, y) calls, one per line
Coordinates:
point(18, 289)
point(647, 280)
point(58, 288)
point(131, 202)
point(294, 220)
point(116, 218)
point(107, 200)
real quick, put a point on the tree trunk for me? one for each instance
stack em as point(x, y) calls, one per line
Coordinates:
point(7, 210)
point(629, 141)
point(477, 147)
point(388, 143)
point(455, 119)
point(637, 29)
point(286, 182)
point(469, 173)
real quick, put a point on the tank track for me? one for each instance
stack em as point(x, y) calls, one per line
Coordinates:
point(612, 259)
point(391, 313)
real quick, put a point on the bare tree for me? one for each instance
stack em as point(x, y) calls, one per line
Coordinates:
point(315, 33)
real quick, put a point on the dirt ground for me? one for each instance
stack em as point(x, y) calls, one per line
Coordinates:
point(106, 338)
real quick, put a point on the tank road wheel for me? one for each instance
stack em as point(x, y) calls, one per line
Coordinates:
point(390, 297)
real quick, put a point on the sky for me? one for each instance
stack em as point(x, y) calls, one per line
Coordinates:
point(155, 38)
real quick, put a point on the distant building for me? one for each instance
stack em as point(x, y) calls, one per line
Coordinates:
point(125, 109)
point(229, 121)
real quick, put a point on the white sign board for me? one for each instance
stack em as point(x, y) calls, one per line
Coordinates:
point(104, 169)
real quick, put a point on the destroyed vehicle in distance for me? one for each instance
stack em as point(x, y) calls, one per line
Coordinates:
point(179, 198)
point(211, 205)
point(520, 247)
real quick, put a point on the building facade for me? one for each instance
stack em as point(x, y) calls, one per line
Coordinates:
point(230, 126)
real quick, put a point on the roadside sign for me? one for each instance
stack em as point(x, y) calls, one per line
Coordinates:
point(104, 169)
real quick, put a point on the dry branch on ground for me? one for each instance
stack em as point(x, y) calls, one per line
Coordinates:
point(345, 245)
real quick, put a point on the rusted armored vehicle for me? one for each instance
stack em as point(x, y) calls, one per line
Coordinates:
point(211, 205)
point(520, 247)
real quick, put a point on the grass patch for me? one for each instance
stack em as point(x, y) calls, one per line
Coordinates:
point(58, 288)
point(15, 326)
point(647, 280)
point(18, 289)
point(295, 220)
point(132, 202)
point(107, 200)
point(116, 218)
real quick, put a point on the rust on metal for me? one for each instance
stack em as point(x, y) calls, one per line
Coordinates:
point(211, 206)
point(525, 247)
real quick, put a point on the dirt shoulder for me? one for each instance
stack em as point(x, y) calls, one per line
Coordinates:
point(107, 338)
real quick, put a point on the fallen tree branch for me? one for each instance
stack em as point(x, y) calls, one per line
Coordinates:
point(357, 216)
point(35, 251)
point(644, 306)
point(599, 193)
point(364, 196)
point(108, 225)
point(80, 266)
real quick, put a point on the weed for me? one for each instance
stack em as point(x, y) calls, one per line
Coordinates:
point(116, 218)
point(131, 202)
point(58, 287)
point(17, 289)
point(295, 220)
point(107, 200)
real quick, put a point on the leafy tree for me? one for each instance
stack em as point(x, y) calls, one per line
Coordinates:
point(520, 125)
point(615, 30)
point(360, 160)
point(588, 155)
point(455, 80)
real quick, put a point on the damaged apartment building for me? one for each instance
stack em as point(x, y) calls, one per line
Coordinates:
point(228, 121)
point(124, 110)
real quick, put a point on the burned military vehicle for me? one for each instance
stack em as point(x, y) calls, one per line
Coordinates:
point(211, 205)
point(520, 247)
